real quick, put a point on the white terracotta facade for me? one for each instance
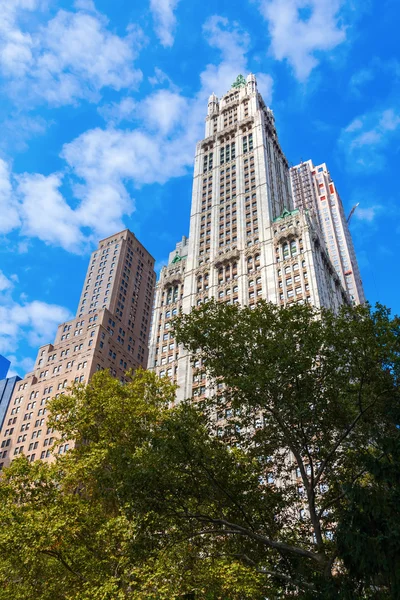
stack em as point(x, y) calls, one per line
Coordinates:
point(247, 240)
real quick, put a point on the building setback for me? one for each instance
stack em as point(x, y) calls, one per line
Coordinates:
point(247, 240)
point(110, 331)
point(314, 190)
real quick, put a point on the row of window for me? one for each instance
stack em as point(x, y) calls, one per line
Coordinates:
point(227, 152)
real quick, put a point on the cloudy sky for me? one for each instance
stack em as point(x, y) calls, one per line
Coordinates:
point(102, 104)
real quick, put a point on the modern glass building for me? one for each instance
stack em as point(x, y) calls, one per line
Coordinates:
point(6, 391)
point(4, 366)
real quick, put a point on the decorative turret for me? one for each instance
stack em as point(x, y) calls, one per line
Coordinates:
point(213, 104)
point(251, 83)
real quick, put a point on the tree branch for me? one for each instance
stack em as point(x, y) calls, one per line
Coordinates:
point(239, 530)
point(309, 488)
point(58, 557)
point(340, 496)
point(340, 440)
point(219, 486)
point(282, 576)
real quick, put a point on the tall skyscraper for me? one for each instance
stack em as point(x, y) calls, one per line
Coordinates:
point(314, 190)
point(110, 331)
point(247, 240)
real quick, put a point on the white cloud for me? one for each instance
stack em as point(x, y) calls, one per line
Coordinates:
point(265, 85)
point(113, 156)
point(15, 45)
point(170, 124)
point(105, 164)
point(116, 112)
point(230, 39)
point(20, 367)
point(164, 20)
point(359, 79)
point(375, 71)
point(365, 140)
point(85, 5)
point(301, 29)
point(38, 320)
point(5, 283)
point(161, 110)
point(72, 56)
point(368, 213)
point(17, 128)
point(159, 78)
point(233, 44)
point(33, 322)
point(9, 218)
point(44, 212)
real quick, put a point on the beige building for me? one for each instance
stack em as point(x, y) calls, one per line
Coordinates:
point(110, 331)
point(247, 240)
point(314, 190)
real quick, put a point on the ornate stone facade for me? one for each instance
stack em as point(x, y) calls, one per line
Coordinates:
point(247, 242)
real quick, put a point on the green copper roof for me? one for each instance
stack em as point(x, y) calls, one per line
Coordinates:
point(239, 82)
point(176, 258)
point(286, 213)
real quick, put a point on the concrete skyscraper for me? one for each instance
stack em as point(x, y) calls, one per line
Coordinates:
point(247, 240)
point(314, 190)
point(110, 331)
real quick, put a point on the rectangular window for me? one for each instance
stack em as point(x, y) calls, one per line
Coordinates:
point(250, 142)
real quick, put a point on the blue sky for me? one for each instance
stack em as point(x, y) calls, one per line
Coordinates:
point(102, 104)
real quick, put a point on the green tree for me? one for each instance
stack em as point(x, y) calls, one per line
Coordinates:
point(104, 521)
point(321, 393)
point(247, 495)
point(368, 531)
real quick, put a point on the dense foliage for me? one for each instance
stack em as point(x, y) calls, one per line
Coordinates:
point(283, 483)
point(322, 393)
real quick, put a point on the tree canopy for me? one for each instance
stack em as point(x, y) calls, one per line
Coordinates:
point(321, 390)
point(282, 482)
